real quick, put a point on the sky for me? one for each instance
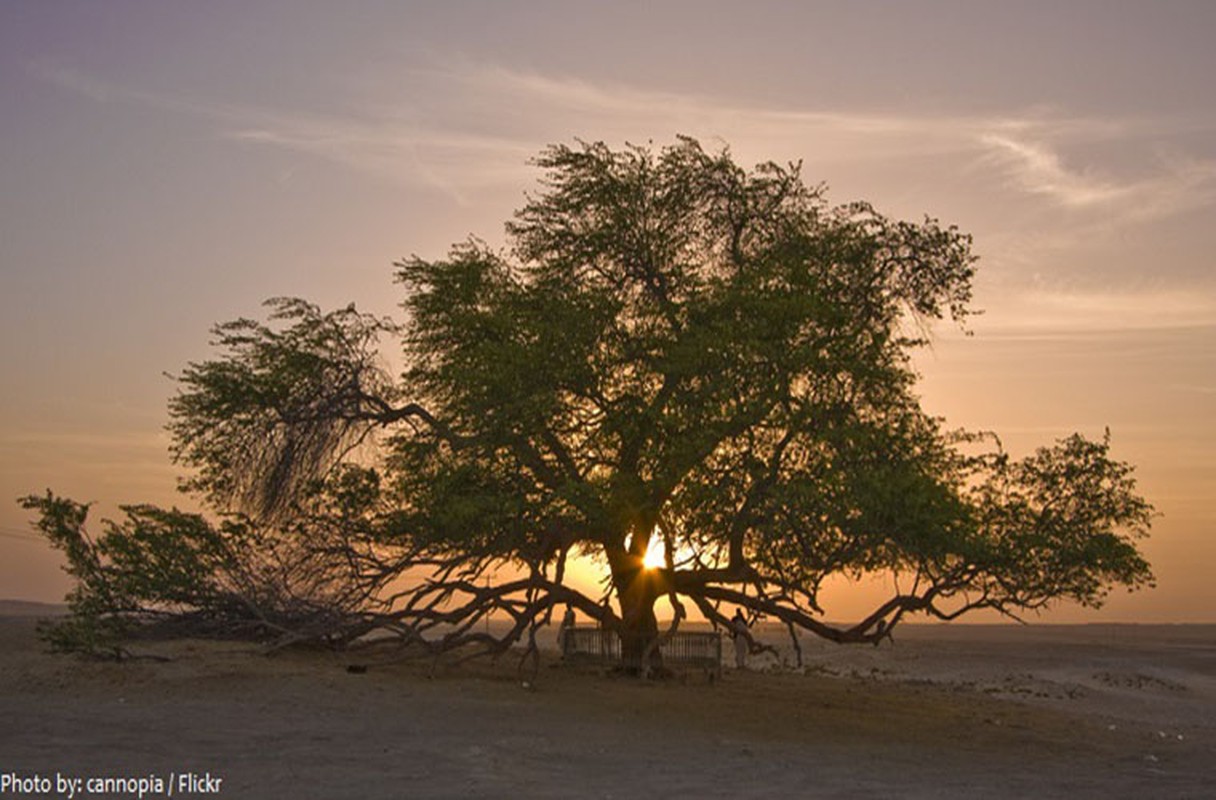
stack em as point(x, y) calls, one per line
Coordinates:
point(166, 166)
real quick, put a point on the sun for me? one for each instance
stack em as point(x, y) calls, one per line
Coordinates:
point(656, 553)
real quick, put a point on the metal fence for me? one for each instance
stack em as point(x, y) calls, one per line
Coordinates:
point(591, 643)
point(702, 650)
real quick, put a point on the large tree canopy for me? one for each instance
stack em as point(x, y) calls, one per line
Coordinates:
point(672, 350)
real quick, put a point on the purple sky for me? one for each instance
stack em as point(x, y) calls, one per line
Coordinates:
point(168, 165)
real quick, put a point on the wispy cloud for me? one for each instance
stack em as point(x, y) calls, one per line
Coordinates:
point(1039, 170)
point(387, 145)
point(452, 163)
point(618, 112)
point(1167, 185)
point(476, 124)
point(1024, 153)
point(1050, 312)
point(1054, 181)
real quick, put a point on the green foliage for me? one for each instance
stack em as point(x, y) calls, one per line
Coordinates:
point(92, 627)
point(155, 561)
point(1061, 523)
point(679, 341)
point(670, 344)
point(177, 569)
point(258, 424)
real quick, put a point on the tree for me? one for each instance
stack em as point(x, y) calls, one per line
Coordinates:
point(179, 573)
point(673, 351)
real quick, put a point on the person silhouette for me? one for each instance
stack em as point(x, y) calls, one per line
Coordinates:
point(739, 633)
point(565, 629)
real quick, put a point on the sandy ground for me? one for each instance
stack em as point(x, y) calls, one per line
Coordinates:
point(964, 711)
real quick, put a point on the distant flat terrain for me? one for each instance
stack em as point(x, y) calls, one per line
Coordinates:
point(944, 712)
point(29, 608)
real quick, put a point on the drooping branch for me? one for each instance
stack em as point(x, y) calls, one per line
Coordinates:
point(267, 420)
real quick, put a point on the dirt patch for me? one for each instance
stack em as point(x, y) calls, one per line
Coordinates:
point(302, 724)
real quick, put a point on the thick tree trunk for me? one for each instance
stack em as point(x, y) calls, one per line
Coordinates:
point(639, 632)
point(637, 588)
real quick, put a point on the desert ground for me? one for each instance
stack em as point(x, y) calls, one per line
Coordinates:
point(941, 712)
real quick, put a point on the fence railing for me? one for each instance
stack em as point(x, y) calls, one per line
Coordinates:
point(693, 649)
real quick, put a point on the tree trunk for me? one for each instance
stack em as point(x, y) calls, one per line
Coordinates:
point(639, 632)
point(637, 589)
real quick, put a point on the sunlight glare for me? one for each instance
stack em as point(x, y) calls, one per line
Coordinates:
point(656, 553)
